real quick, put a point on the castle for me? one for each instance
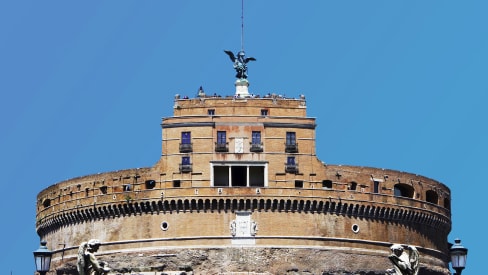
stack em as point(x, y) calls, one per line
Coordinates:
point(239, 188)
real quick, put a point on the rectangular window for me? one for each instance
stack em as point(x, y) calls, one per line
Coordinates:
point(299, 184)
point(290, 161)
point(256, 176)
point(256, 137)
point(221, 137)
point(239, 175)
point(264, 112)
point(221, 175)
point(185, 137)
point(185, 160)
point(211, 112)
point(290, 138)
point(176, 183)
point(185, 166)
point(376, 187)
point(290, 165)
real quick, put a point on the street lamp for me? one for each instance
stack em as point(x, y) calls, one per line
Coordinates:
point(42, 257)
point(458, 256)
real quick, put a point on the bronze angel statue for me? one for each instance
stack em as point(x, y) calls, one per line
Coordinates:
point(87, 263)
point(240, 63)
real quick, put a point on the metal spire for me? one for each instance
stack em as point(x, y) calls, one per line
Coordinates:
point(242, 25)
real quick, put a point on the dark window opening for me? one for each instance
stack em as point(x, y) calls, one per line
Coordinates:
point(126, 187)
point(221, 137)
point(403, 190)
point(103, 189)
point(185, 160)
point(185, 165)
point(87, 192)
point(46, 202)
point(290, 165)
point(221, 175)
point(290, 160)
point(299, 184)
point(186, 137)
point(291, 145)
point(176, 183)
point(431, 196)
point(264, 112)
point(256, 176)
point(353, 185)
point(447, 203)
point(256, 137)
point(211, 112)
point(327, 184)
point(239, 176)
point(150, 184)
point(185, 145)
point(221, 144)
point(256, 144)
point(376, 186)
point(290, 138)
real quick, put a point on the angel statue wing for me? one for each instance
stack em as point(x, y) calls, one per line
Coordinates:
point(413, 256)
point(231, 55)
point(250, 59)
point(80, 263)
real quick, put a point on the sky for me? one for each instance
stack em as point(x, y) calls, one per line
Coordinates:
point(392, 84)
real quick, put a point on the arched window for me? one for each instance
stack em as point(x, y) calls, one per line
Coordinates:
point(46, 203)
point(327, 184)
point(150, 184)
point(353, 185)
point(403, 190)
point(431, 196)
point(447, 203)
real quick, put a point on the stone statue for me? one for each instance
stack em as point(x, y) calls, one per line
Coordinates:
point(254, 228)
point(240, 63)
point(232, 227)
point(404, 263)
point(87, 263)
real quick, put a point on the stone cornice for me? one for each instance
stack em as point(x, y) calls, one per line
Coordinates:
point(409, 217)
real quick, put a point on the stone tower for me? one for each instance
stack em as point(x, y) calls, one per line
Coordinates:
point(239, 188)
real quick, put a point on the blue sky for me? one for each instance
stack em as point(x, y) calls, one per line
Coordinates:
point(393, 84)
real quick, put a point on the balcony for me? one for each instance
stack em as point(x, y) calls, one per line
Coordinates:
point(291, 148)
point(186, 147)
point(221, 147)
point(256, 147)
point(291, 168)
point(186, 168)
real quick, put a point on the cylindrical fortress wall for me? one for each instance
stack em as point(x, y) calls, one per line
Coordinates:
point(171, 218)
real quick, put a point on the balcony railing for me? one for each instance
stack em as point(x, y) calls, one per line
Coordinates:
point(256, 147)
point(221, 147)
point(186, 168)
point(291, 168)
point(186, 147)
point(291, 148)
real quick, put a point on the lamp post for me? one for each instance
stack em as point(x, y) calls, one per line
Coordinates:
point(42, 258)
point(458, 256)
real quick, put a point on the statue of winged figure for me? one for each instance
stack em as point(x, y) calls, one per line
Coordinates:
point(404, 263)
point(240, 63)
point(87, 263)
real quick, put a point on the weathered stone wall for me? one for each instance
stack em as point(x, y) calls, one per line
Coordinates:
point(245, 260)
